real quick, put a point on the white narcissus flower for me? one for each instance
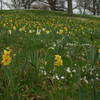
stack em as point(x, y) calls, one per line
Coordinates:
point(38, 32)
point(10, 32)
point(68, 70)
point(62, 77)
point(74, 71)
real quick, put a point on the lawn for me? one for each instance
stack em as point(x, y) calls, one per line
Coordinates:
point(49, 56)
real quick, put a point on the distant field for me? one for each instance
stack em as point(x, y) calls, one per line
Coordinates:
point(48, 55)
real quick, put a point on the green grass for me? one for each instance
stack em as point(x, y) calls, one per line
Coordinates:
point(36, 37)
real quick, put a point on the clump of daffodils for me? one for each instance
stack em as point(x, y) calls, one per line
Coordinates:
point(14, 28)
point(58, 61)
point(60, 32)
point(6, 57)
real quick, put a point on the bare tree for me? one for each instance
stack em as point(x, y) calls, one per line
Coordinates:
point(16, 3)
point(91, 5)
point(52, 4)
point(27, 3)
point(21, 3)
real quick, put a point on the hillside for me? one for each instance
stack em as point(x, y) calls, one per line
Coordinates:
point(47, 55)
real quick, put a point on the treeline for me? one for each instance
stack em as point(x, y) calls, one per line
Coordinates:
point(91, 5)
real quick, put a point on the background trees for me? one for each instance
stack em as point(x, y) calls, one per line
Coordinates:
point(52, 4)
point(82, 5)
point(91, 5)
point(21, 3)
point(96, 7)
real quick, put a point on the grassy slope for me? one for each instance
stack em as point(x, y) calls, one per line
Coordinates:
point(22, 80)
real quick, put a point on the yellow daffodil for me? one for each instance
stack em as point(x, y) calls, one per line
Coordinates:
point(6, 60)
point(65, 28)
point(22, 29)
point(4, 25)
point(57, 57)
point(47, 31)
point(60, 32)
point(6, 52)
point(14, 54)
point(99, 50)
point(14, 27)
point(58, 61)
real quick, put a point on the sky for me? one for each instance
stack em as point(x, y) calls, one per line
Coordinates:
point(4, 6)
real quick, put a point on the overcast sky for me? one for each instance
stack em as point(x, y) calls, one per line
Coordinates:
point(4, 6)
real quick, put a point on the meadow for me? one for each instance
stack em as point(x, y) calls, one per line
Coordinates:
point(49, 56)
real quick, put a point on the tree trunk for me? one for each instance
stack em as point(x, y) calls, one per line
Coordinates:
point(52, 4)
point(1, 4)
point(70, 12)
point(85, 6)
point(53, 7)
point(98, 7)
point(94, 7)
